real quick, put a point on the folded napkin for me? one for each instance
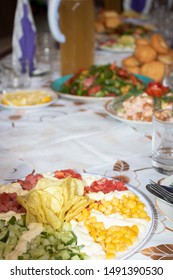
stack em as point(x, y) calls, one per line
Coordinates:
point(24, 36)
point(142, 6)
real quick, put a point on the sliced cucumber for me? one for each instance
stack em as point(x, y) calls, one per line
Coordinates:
point(10, 233)
point(54, 245)
point(4, 235)
point(35, 254)
point(2, 224)
point(75, 257)
point(64, 255)
point(12, 221)
point(24, 257)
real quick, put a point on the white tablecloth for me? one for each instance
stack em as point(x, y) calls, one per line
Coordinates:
point(82, 136)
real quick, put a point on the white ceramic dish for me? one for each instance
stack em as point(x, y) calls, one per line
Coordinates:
point(85, 99)
point(139, 125)
point(52, 94)
point(116, 49)
point(165, 208)
point(146, 235)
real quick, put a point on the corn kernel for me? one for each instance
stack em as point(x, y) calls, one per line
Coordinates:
point(108, 239)
point(110, 255)
point(122, 248)
point(101, 208)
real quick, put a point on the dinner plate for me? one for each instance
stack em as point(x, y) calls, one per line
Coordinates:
point(165, 208)
point(57, 84)
point(110, 108)
point(142, 238)
point(116, 49)
point(52, 94)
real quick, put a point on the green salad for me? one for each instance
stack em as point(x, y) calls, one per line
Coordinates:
point(102, 81)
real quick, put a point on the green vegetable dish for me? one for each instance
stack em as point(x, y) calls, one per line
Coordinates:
point(37, 242)
point(102, 81)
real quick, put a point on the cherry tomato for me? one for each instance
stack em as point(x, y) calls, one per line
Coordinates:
point(94, 90)
point(122, 73)
point(113, 66)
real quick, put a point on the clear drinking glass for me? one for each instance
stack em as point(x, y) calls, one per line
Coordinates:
point(15, 74)
point(162, 141)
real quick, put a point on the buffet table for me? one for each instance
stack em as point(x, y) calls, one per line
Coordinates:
point(82, 136)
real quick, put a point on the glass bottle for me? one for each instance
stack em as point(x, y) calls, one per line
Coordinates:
point(76, 22)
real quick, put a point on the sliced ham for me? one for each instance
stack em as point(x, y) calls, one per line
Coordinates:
point(8, 202)
point(30, 181)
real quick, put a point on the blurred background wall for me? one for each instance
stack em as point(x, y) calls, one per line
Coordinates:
point(7, 9)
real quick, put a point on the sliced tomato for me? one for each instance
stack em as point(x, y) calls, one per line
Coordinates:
point(94, 89)
point(61, 174)
point(134, 80)
point(113, 66)
point(76, 75)
point(122, 73)
point(106, 186)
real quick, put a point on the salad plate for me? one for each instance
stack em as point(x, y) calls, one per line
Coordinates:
point(112, 109)
point(57, 85)
point(27, 99)
point(59, 220)
point(136, 108)
point(115, 48)
point(117, 44)
point(165, 208)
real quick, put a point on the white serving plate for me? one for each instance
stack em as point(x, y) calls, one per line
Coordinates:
point(88, 178)
point(52, 94)
point(138, 125)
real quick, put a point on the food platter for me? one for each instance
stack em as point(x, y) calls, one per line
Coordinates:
point(115, 49)
point(51, 97)
point(117, 44)
point(136, 226)
point(58, 83)
point(111, 108)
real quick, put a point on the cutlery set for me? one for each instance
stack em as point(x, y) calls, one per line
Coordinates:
point(161, 191)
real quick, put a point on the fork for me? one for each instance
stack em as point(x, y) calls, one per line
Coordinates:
point(157, 194)
point(168, 188)
point(161, 191)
